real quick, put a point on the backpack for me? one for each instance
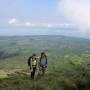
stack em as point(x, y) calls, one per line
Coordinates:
point(29, 61)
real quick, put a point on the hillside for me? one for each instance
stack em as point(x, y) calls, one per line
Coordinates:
point(68, 63)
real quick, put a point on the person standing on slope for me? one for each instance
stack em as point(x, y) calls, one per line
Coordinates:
point(43, 63)
point(32, 63)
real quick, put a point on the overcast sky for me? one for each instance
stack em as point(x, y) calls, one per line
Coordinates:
point(26, 17)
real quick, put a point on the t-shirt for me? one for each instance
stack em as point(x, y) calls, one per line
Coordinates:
point(34, 62)
point(43, 61)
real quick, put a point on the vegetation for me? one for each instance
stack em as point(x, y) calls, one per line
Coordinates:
point(68, 63)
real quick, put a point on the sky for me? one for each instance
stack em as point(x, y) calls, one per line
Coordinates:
point(29, 11)
point(45, 17)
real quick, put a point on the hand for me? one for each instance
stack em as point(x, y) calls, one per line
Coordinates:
point(38, 57)
point(31, 69)
point(45, 66)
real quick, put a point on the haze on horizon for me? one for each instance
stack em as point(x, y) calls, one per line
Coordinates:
point(45, 17)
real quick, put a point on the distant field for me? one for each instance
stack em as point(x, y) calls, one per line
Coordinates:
point(66, 55)
point(14, 51)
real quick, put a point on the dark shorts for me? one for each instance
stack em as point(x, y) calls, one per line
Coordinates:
point(42, 67)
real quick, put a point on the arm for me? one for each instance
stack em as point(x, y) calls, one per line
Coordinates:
point(37, 57)
point(46, 61)
point(37, 64)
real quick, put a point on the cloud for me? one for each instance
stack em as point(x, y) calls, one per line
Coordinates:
point(12, 21)
point(29, 24)
point(18, 23)
point(77, 12)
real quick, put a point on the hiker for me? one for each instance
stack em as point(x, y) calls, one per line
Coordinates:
point(42, 63)
point(32, 63)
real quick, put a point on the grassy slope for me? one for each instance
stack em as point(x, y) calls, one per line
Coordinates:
point(66, 57)
point(51, 81)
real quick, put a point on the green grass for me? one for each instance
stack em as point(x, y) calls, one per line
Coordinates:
point(20, 81)
point(67, 57)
